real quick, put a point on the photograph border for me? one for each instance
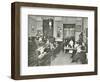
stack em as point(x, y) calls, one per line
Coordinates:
point(15, 39)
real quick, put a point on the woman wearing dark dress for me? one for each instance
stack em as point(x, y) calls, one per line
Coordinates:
point(80, 56)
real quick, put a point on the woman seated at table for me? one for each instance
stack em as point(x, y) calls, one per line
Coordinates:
point(66, 46)
point(71, 45)
point(80, 56)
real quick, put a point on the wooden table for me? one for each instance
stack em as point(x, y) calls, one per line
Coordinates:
point(67, 48)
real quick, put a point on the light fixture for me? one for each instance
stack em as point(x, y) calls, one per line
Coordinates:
point(50, 24)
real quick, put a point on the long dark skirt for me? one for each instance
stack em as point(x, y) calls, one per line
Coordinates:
point(80, 57)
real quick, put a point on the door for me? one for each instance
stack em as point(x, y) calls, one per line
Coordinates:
point(69, 31)
point(48, 27)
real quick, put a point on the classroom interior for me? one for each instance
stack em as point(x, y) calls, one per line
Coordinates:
point(57, 40)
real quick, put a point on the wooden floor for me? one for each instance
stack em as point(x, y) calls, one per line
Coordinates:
point(62, 59)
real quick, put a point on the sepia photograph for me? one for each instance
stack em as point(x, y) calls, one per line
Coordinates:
point(57, 40)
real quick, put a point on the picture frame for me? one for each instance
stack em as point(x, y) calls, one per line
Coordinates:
point(21, 14)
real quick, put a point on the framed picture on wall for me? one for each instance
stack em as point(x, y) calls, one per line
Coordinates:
point(52, 40)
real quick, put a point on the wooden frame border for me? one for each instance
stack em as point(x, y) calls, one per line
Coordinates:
point(15, 40)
